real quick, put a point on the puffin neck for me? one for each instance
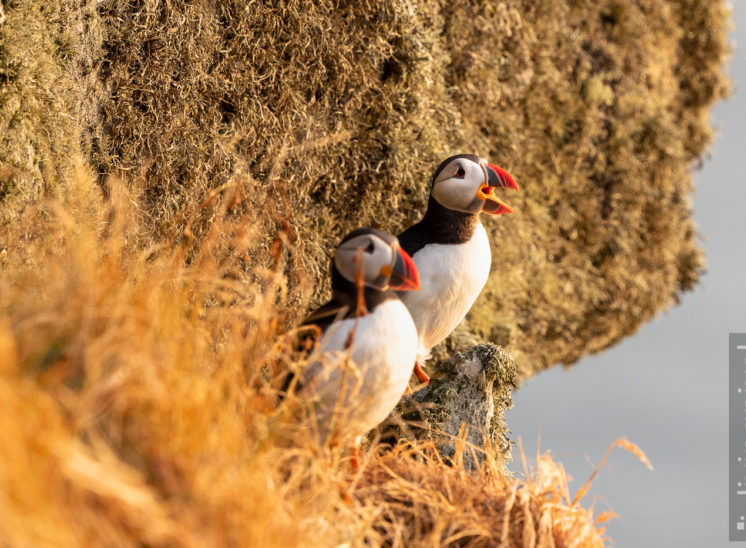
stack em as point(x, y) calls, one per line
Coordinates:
point(345, 292)
point(448, 226)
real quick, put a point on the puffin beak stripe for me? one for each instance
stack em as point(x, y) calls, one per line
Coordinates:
point(497, 176)
point(494, 177)
point(404, 275)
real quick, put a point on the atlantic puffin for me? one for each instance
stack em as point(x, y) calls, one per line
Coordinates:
point(365, 341)
point(450, 247)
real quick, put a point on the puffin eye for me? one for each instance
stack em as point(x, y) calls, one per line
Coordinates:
point(460, 172)
point(370, 247)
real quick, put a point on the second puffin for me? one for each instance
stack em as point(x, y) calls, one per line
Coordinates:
point(450, 247)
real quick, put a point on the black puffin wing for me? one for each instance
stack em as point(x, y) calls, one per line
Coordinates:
point(313, 327)
point(328, 313)
point(413, 239)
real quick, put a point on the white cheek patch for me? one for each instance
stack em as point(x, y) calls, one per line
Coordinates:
point(375, 261)
point(458, 194)
point(352, 253)
point(344, 262)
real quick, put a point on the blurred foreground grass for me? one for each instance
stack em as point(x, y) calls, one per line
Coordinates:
point(139, 408)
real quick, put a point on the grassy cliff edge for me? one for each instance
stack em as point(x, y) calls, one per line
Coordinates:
point(332, 115)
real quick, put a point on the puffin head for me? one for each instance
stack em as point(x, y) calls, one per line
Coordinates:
point(376, 256)
point(465, 183)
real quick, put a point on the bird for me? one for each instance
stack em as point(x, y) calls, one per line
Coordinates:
point(362, 342)
point(450, 247)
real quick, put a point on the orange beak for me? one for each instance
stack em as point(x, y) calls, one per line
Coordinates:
point(495, 177)
point(404, 274)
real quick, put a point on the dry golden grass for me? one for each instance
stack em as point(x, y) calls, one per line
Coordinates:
point(137, 383)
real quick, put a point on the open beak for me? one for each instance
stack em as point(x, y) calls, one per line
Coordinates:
point(496, 177)
point(404, 275)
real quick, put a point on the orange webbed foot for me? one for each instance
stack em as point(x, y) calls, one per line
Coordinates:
point(420, 374)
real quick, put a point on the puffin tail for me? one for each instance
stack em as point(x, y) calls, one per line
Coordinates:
point(423, 354)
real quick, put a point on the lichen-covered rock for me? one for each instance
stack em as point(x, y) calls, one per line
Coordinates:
point(468, 394)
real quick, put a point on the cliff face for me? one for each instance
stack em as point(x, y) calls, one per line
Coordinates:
point(138, 375)
point(332, 115)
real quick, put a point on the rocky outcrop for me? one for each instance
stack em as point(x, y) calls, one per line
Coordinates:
point(464, 403)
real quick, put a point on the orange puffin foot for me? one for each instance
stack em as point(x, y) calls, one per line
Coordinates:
point(420, 374)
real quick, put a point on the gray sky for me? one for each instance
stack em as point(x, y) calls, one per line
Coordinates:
point(666, 388)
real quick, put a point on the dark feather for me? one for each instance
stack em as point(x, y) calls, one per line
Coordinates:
point(473, 157)
point(440, 225)
point(317, 322)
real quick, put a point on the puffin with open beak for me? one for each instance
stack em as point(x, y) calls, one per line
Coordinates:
point(365, 341)
point(450, 247)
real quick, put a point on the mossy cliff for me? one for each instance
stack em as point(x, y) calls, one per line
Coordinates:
point(332, 115)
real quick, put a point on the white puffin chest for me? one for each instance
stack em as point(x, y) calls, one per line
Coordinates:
point(451, 278)
point(370, 360)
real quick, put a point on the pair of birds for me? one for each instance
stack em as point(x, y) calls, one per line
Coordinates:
point(395, 299)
